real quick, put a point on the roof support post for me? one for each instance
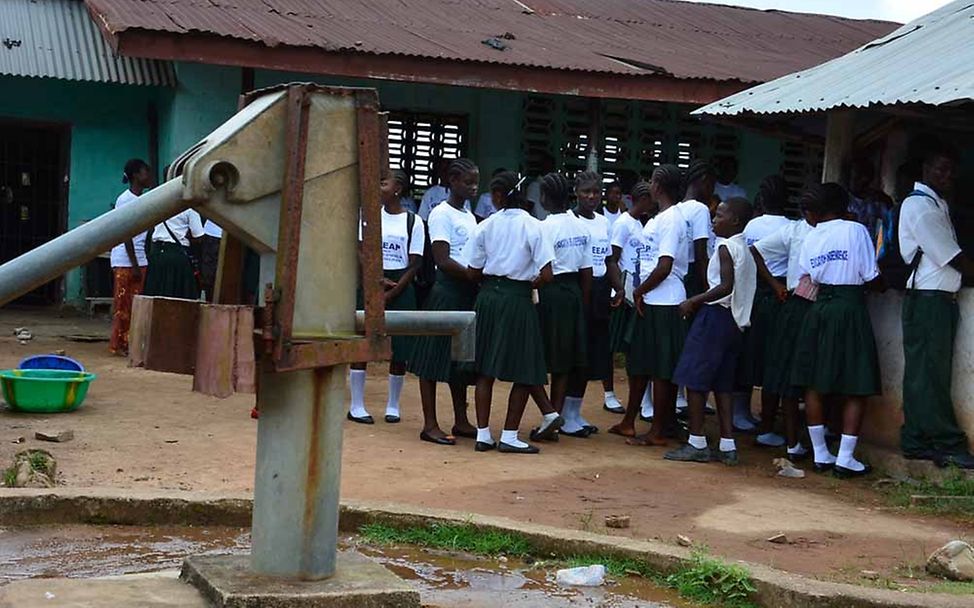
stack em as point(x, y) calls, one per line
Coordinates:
point(594, 134)
point(839, 137)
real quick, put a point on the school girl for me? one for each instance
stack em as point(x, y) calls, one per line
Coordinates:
point(836, 351)
point(598, 352)
point(509, 255)
point(771, 199)
point(622, 268)
point(128, 259)
point(450, 226)
point(613, 207)
point(720, 315)
point(658, 331)
point(699, 182)
point(784, 325)
point(403, 240)
point(563, 301)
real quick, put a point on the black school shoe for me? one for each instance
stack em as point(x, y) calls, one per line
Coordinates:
point(483, 446)
point(362, 420)
point(510, 449)
point(844, 473)
point(823, 467)
point(961, 461)
point(550, 432)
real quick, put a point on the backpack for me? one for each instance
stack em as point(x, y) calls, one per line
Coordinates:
point(426, 275)
point(890, 260)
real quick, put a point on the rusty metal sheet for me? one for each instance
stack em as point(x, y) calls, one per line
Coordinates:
point(682, 40)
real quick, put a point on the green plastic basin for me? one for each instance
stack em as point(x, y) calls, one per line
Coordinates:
point(44, 390)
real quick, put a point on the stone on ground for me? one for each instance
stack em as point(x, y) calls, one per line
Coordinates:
point(954, 561)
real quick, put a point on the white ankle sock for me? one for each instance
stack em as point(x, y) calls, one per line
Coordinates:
point(547, 419)
point(697, 441)
point(846, 458)
point(570, 413)
point(577, 405)
point(822, 454)
point(681, 399)
point(727, 445)
point(483, 435)
point(356, 382)
point(797, 450)
point(646, 409)
point(395, 389)
point(510, 438)
point(611, 401)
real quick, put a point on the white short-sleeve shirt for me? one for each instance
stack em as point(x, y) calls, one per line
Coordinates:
point(120, 257)
point(741, 299)
point(612, 217)
point(510, 244)
point(925, 225)
point(569, 238)
point(396, 244)
point(759, 228)
point(447, 224)
point(665, 236)
point(598, 229)
point(627, 235)
point(698, 225)
point(839, 252)
point(787, 243)
point(187, 221)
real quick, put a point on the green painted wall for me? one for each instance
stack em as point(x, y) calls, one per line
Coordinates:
point(109, 125)
point(759, 157)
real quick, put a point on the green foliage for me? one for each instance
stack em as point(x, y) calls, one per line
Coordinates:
point(956, 484)
point(712, 582)
point(9, 477)
point(449, 537)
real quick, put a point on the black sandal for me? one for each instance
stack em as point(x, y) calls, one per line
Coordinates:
point(362, 420)
point(446, 440)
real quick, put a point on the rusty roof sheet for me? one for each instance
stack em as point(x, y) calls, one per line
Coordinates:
point(630, 37)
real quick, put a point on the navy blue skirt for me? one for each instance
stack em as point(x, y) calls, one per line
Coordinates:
point(711, 352)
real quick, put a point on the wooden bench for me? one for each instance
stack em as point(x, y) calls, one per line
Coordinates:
point(95, 303)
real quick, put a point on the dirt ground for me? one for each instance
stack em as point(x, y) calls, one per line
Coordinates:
point(147, 429)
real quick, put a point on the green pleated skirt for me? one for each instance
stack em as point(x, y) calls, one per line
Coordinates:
point(509, 344)
point(750, 368)
point(655, 342)
point(598, 349)
point(779, 355)
point(432, 355)
point(619, 321)
point(170, 272)
point(402, 346)
point(835, 353)
point(562, 318)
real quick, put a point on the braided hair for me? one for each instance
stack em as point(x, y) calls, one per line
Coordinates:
point(772, 194)
point(699, 169)
point(505, 183)
point(641, 189)
point(826, 199)
point(669, 178)
point(556, 191)
point(460, 166)
point(587, 178)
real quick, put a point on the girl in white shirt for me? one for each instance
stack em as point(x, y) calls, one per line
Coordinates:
point(771, 198)
point(128, 259)
point(450, 227)
point(562, 302)
point(699, 180)
point(622, 268)
point(403, 240)
point(172, 272)
point(658, 331)
point(836, 350)
point(614, 207)
point(509, 254)
point(598, 353)
point(709, 359)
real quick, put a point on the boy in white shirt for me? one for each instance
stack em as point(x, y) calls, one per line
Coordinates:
point(709, 359)
point(836, 350)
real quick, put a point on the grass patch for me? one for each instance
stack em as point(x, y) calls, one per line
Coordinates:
point(450, 537)
point(956, 484)
point(704, 580)
point(952, 587)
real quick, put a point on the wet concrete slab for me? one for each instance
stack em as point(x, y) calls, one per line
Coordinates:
point(142, 590)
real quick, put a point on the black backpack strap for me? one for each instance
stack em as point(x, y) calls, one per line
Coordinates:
point(915, 262)
point(410, 223)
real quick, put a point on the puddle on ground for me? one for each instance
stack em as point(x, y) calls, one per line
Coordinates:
point(445, 580)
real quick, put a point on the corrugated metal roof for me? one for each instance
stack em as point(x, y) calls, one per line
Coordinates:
point(58, 39)
point(632, 37)
point(926, 61)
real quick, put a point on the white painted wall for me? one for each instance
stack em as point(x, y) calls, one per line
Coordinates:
point(884, 415)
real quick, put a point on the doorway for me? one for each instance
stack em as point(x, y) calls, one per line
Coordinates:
point(33, 194)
